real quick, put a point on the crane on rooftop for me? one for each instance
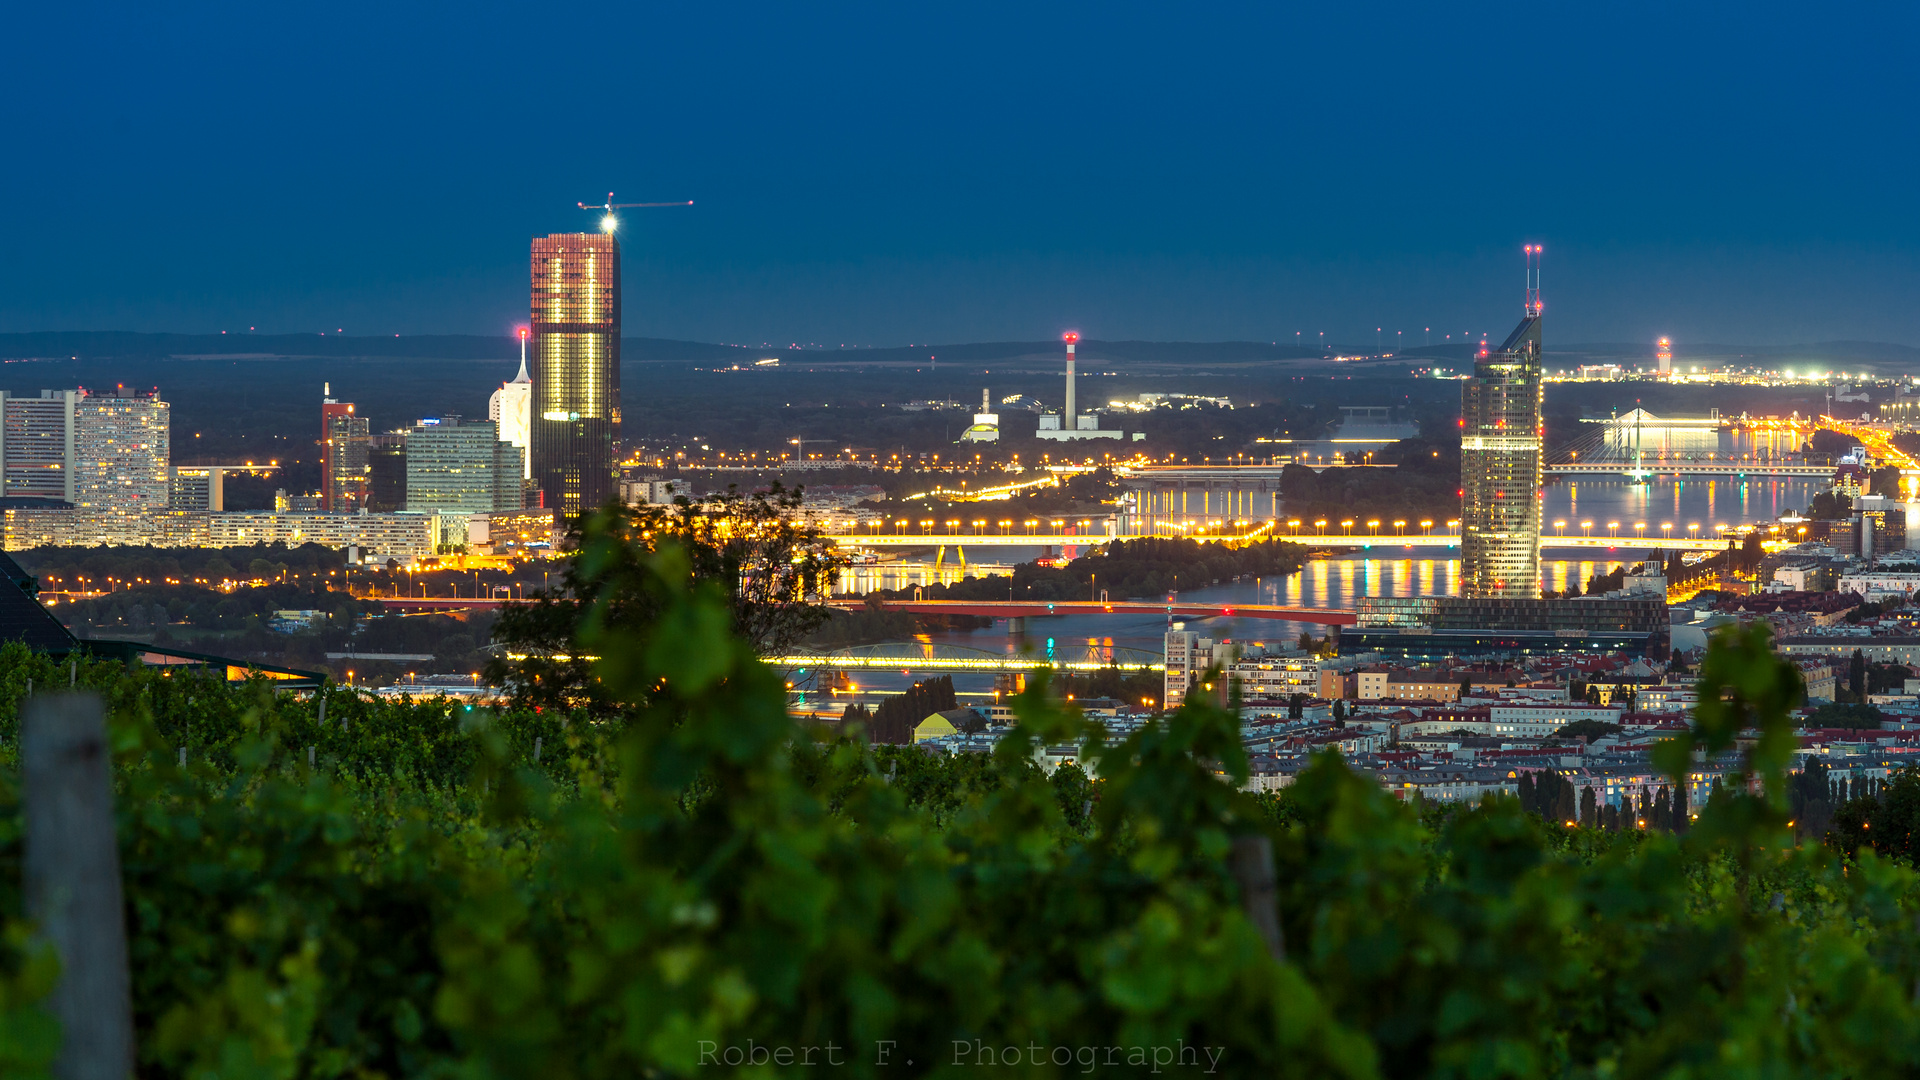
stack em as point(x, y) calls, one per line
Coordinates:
point(608, 222)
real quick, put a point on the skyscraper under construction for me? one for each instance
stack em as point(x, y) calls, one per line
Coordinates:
point(1500, 461)
point(576, 369)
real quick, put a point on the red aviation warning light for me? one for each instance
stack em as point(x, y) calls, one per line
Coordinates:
point(1071, 337)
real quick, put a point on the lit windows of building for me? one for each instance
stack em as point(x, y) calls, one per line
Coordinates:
point(575, 412)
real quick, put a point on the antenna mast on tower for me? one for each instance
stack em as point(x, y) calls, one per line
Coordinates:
point(1533, 279)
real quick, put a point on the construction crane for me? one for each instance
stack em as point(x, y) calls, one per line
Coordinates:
point(608, 222)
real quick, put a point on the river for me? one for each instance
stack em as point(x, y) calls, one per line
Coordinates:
point(1337, 582)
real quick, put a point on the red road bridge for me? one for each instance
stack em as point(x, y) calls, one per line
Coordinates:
point(1022, 609)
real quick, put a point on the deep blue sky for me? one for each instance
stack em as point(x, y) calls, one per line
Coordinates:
point(895, 173)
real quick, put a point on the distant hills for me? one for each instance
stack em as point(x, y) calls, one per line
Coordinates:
point(104, 345)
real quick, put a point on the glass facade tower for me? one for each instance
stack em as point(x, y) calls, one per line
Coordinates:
point(1500, 468)
point(576, 370)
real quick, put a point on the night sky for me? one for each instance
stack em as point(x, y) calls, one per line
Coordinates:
point(906, 173)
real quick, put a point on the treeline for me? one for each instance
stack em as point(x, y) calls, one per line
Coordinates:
point(1425, 486)
point(1127, 569)
point(1554, 798)
point(893, 720)
point(66, 566)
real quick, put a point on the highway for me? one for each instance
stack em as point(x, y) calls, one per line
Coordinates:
point(1638, 540)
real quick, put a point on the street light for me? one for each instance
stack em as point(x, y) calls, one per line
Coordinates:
point(1586, 528)
point(1558, 526)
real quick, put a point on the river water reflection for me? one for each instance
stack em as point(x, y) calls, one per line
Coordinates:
point(1336, 582)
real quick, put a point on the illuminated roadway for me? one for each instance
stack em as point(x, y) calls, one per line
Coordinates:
point(1313, 540)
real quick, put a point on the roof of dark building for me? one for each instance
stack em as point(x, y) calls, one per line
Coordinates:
point(22, 616)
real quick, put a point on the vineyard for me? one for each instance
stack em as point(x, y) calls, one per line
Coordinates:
point(691, 884)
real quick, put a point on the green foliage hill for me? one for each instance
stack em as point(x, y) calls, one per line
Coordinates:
point(693, 884)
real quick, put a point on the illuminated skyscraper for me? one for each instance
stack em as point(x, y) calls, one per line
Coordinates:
point(576, 370)
point(344, 442)
point(511, 406)
point(1500, 462)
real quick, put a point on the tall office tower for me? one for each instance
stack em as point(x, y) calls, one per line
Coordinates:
point(576, 370)
point(1500, 461)
point(36, 445)
point(456, 467)
point(121, 451)
point(387, 473)
point(1663, 355)
point(511, 408)
point(345, 441)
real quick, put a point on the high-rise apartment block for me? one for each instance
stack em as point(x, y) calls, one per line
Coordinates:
point(100, 450)
point(455, 467)
point(345, 443)
point(576, 370)
point(36, 445)
point(1500, 466)
point(121, 449)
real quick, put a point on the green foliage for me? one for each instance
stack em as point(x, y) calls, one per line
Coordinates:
point(693, 872)
point(1586, 729)
point(1836, 714)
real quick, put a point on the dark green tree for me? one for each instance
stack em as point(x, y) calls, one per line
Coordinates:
point(774, 567)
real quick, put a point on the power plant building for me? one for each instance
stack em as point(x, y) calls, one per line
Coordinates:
point(575, 415)
point(1500, 466)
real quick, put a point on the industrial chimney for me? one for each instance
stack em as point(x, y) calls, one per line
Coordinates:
point(1066, 418)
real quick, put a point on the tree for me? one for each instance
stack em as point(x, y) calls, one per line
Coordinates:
point(896, 717)
point(1857, 676)
point(1586, 729)
point(773, 569)
point(1466, 686)
point(1589, 809)
point(1296, 705)
point(1565, 807)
